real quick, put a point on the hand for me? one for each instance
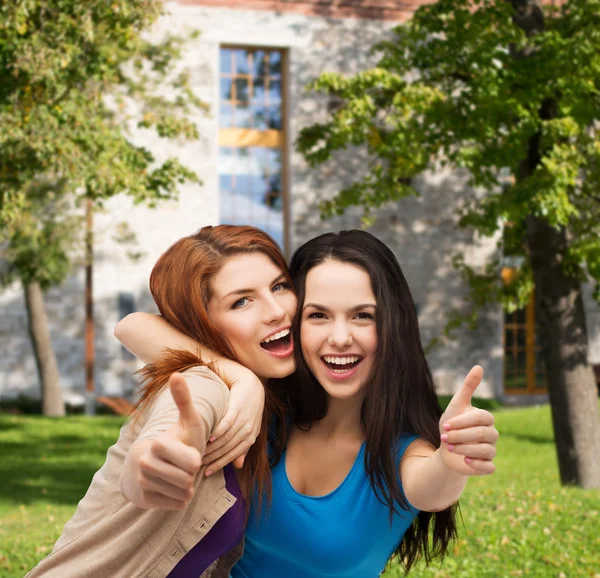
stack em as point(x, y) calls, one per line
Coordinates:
point(168, 467)
point(240, 426)
point(468, 434)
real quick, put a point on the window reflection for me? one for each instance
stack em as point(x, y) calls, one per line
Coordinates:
point(250, 82)
point(250, 188)
point(250, 178)
point(241, 62)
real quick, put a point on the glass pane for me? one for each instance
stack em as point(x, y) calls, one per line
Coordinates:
point(243, 184)
point(241, 62)
point(242, 90)
point(521, 337)
point(226, 115)
point(509, 364)
point(243, 117)
point(274, 160)
point(521, 362)
point(274, 91)
point(275, 63)
point(258, 94)
point(515, 382)
point(273, 117)
point(508, 337)
point(225, 92)
point(259, 116)
point(252, 195)
point(226, 162)
point(272, 197)
point(259, 63)
point(521, 316)
point(226, 183)
point(226, 61)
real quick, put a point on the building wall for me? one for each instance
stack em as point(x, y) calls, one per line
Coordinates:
point(421, 231)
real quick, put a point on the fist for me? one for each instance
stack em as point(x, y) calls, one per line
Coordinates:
point(168, 466)
point(468, 435)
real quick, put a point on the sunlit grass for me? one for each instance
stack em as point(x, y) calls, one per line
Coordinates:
point(519, 522)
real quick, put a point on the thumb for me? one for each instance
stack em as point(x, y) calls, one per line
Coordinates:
point(462, 398)
point(189, 425)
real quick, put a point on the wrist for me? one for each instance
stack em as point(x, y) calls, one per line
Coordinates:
point(237, 373)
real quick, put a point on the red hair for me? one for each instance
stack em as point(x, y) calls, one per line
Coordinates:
point(180, 285)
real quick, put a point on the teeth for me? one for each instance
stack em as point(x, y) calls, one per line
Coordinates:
point(341, 360)
point(276, 336)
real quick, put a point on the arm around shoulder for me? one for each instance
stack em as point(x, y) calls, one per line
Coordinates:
point(147, 336)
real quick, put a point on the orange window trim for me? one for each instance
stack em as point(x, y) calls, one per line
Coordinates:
point(248, 137)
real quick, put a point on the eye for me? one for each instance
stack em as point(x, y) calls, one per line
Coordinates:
point(364, 316)
point(280, 287)
point(316, 315)
point(240, 303)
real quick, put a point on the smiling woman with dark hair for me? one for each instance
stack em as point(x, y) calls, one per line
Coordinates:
point(364, 473)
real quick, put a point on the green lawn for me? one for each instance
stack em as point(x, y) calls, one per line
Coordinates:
point(519, 522)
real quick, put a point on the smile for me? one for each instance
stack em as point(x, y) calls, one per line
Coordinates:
point(279, 344)
point(341, 367)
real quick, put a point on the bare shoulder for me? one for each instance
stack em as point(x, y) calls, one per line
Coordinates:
point(418, 448)
point(417, 451)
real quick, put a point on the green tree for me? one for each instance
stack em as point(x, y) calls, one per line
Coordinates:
point(498, 87)
point(75, 77)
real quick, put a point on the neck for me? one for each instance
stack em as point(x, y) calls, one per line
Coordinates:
point(342, 418)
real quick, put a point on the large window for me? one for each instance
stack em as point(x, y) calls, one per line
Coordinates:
point(523, 366)
point(251, 139)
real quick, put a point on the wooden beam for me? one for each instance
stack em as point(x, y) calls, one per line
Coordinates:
point(249, 137)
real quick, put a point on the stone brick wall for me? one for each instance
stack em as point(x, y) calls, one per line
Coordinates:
point(393, 10)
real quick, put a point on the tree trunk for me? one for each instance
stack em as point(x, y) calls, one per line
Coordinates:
point(52, 400)
point(561, 316)
point(90, 394)
point(571, 382)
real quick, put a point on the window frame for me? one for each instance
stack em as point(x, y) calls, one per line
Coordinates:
point(270, 138)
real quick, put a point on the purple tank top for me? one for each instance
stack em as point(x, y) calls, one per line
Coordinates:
point(221, 538)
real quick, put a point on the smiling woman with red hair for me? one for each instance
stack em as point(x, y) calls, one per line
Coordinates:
point(151, 510)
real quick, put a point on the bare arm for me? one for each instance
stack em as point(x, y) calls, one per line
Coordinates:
point(428, 484)
point(434, 479)
point(147, 336)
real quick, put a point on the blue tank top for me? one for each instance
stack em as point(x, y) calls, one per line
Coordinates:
point(344, 534)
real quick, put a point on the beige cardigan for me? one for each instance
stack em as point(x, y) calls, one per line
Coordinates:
point(109, 537)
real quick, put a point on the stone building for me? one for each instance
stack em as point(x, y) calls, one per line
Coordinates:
point(251, 64)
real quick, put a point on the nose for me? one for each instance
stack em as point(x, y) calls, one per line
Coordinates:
point(274, 312)
point(340, 336)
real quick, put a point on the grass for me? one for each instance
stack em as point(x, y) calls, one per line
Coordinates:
point(519, 522)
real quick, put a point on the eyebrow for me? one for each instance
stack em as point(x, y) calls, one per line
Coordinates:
point(277, 279)
point(352, 309)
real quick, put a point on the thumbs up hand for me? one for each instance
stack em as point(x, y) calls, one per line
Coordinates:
point(169, 463)
point(468, 435)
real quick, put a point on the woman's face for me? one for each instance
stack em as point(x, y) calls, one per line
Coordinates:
point(337, 332)
point(253, 306)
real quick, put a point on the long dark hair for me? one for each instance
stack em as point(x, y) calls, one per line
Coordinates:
point(401, 397)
